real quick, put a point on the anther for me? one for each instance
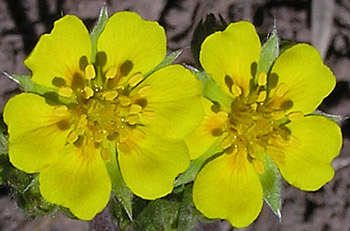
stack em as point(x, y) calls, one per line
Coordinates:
point(110, 95)
point(135, 79)
point(72, 137)
point(261, 96)
point(236, 90)
point(262, 79)
point(222, 115)
point(226, 143)
point(65, 92)
point(144, 91)
point(132, 119)
point(124, 100)
point(135, 109)
point(111, 73)
point(149, 115)
point(295, 115)
point(90, 72)
point(277, 115)
point(281, 89)
point(106, 155)
point(61, 111)
point(123, 147)
point(88, 92)
point(82, 121)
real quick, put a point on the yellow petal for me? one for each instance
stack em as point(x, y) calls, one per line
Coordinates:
point(233, 53)
point(36, 131)
point(222, 191)
point(80, 184)
point(308, 161)
point(308, 81)
point(131, 44)
point(150, 164)
point(62, 54)
point(174, 96)
point(208, 131)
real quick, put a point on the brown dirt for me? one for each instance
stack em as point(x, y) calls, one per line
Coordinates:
point(23, 21)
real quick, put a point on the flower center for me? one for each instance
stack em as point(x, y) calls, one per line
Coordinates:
point(256, 124)
point(105, 113)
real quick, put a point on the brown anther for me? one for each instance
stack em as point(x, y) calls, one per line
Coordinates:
point(135, 79)
point(65, 92)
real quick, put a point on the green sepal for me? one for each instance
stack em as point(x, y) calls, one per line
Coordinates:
point(271, 184)
point(206, 27)
point(169, 59)
point(190, 174)
point(334, 118)
point(212, 91)
point(28, 85)
point(119, 188)
point(96, 31)
point(269, 52)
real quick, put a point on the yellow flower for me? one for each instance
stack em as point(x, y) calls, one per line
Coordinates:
point(68, 137)
point(266, 115)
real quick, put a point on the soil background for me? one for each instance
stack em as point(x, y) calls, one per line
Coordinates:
point(328, 209)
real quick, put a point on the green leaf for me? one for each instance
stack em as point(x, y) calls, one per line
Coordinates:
point(96, 31)
point(271, 183)
point(121, 191)
point(169, 59)
point(160, 214)
point(269, 52)
point(212, 91)
point(195, 165)
point(203, 30)
point(334, 118)
point(3, 144)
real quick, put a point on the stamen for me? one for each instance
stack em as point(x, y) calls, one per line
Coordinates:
point(277, 115)
point(106, 155)
point(61, 111)
point(293, 141)
point(110, 95)
point(98, 136)
point(226, 143)
point(123, 147)
point(276, 154)
point(261, 96)
point(124, 100)
point(222, 115)
point(149, 115)
point(281, 90)
point(135, 79)
point(236, 90)
point(65, 92)
point(132, 119)
point(90, 72)
point(111, 73)
point(88, 92)
point(82, 121)
point(72, 137)
point(262, 79)
point(144, 91)
point(295, 115)
point(135, 109)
